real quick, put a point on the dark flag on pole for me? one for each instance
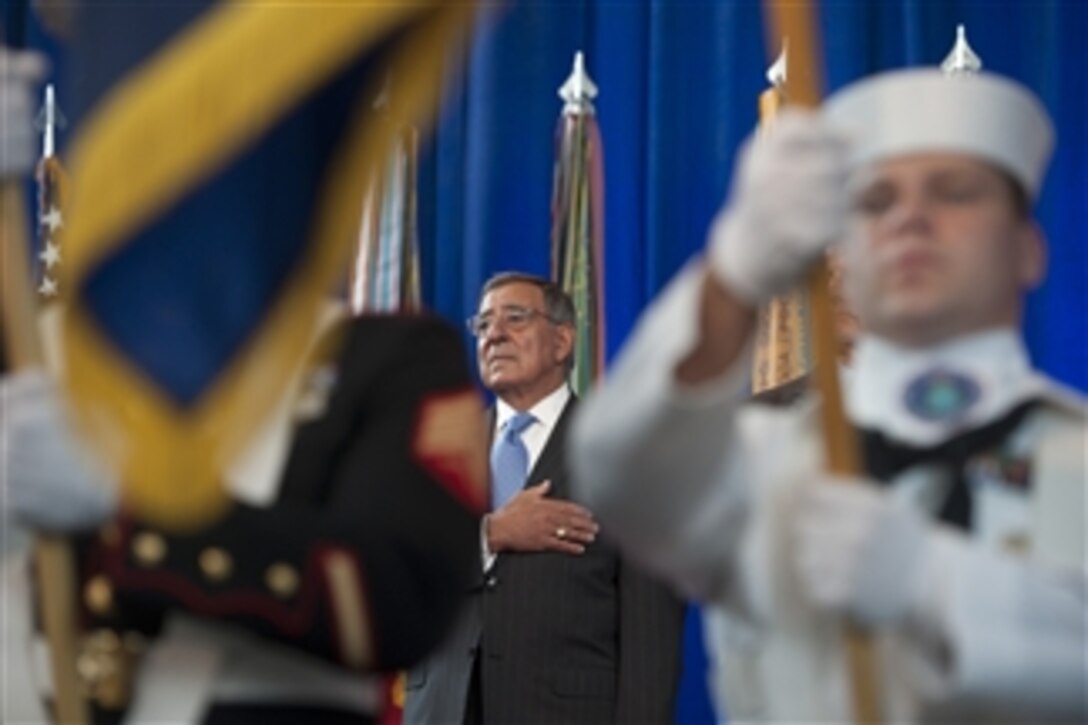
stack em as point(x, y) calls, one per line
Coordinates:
point(578, 221)
point(218, 177)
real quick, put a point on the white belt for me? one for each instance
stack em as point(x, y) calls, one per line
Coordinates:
point(195, 663)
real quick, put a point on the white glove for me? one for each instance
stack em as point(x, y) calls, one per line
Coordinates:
point(860, 553)
point(19, 74)
point(51, 483)
point(789, 204)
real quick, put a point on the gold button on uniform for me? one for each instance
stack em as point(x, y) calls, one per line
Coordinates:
point(149, 549)
point(282, 580)
point(98, 595)
point(216, 564)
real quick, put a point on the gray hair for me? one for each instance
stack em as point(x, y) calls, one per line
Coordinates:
point(557, 303)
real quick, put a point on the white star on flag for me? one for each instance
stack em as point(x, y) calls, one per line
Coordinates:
point(50, 255)
point(48, 287)
point(53, 219)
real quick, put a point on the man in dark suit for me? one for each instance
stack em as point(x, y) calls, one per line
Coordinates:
point(354, 558)
point(557, 628)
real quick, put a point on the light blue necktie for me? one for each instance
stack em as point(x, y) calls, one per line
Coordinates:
point(509, 460)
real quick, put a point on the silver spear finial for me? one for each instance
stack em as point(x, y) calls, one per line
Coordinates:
point(49, 120)
point(961, 60)
point(579, 90)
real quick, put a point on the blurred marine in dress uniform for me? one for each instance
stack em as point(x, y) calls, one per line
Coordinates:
point(348, 545)
point(962, 549)
point(348, 556)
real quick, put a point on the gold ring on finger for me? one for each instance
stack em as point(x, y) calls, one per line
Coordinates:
point(561, 533)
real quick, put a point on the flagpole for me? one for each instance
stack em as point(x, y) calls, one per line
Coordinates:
point(54, 563)
point(795, 19)
point(55, 567)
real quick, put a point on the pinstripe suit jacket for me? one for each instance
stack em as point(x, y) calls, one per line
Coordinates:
point(560, 638)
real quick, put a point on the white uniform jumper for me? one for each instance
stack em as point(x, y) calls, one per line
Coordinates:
point(699, 486)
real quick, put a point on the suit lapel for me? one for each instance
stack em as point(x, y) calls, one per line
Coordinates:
point(551, 464)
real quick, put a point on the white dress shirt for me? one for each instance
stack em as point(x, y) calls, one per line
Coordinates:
point(545, 414)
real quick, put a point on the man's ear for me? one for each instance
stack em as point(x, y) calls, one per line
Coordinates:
point(1032, 249)
point(564, 341)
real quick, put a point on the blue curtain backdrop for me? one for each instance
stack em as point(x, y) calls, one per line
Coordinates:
point(678, 88)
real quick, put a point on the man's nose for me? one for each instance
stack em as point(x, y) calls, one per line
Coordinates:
point(496, 331)
point(912, 214)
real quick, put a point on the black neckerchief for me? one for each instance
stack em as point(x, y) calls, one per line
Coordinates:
point(886, 458)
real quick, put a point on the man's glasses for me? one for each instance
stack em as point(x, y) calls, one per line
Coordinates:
point(512, 317)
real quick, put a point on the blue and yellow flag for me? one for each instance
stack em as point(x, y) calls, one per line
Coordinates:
point(217, 183)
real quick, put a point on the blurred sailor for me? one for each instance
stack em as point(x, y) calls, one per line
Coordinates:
point(963, 549)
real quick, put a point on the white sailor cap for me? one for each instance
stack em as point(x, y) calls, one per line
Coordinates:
point(924, 110)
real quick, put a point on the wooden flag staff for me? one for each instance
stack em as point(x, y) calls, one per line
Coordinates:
point(795, 20)
point(54, 565)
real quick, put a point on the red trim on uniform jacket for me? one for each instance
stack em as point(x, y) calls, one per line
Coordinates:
point(292, 618)
point(453, 467)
